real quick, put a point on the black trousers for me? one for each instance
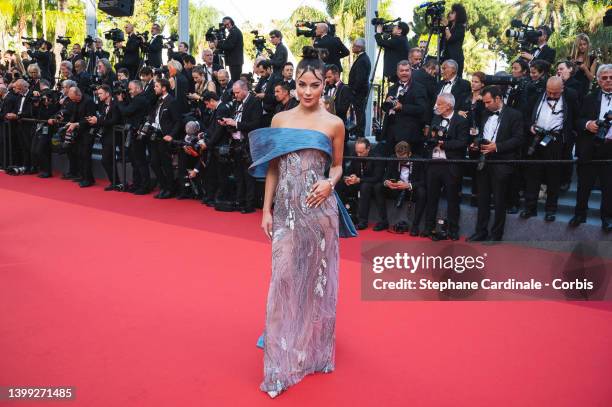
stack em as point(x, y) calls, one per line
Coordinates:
point(235, 71)
point(26, 131)
point(74, 166)
point(41, 151)
point(492, 179)
point(448, 176)
point(359, 104)
point(245, 184)
point(84, 145)
point(549, 174)
point(109, 151)
point(587, 175)
point(419, 198)
point(185, 163)
point(161, 162)
point(366, 191)
point(567, 169)
point(210, 178)
point(141, 175)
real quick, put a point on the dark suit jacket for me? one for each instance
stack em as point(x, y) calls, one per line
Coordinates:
point(359, 76)
point(43, 59)
point(396, 49)
point(169, 116)
point(278, 59)
point(335, 49)
point(430, 84)
point(180, 93)
point(343, 100)
point(233, 47)
point(417, 174)
point(586, 149)
point(154, 52)
point(83, 80)
point(107, 120)
point(510, 137)
point(453, 47)
point(407, 124)
point(252, 113)
point(135, 110)
point(132, 49)
point(369, 171)
point(149, 93)
point(457, 137)
point(85, 108)
point(461, 90)
point(547, 54)
point(570, 109)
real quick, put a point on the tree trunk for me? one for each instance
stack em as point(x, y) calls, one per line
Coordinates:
point(44, 18)
point(60, 30)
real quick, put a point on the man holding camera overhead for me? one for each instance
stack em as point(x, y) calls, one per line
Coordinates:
point(333, 46)
point(542, 51)
point(233, 48)
point(131, 57)
point(396, 48)
point(154, 50)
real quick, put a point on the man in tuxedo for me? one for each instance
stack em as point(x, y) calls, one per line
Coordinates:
point(84, 107)
point(82, 77)
point(148, 85)
point(284, 100)
point(183, 49)
point(404, 121)
point(156, 45)
point(246, 116)
point(449, 138)
point(181, 87)
point(542, 51)
point(92, 54)
point(553, 111)
point(426, 76)
point(502, 139)
point(287, 77)
point(594, 108)
point(20, 107)
point(280, 55)
point(131, 57)
point(459, 88)
point(264, 91)
point(134, 112)
point(360, 179)
point(396, 48)
point(359, 83)
point(166, 119)
point(338, 92)
point(189, 63)
point(42, 57)
point(210, 68)
point(415, 57)
point(233, 47)
point(335, 49)
point(224, 86)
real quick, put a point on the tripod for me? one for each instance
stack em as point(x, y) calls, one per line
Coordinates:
point(437, 28)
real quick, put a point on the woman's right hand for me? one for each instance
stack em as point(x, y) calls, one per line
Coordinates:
point(266, 224)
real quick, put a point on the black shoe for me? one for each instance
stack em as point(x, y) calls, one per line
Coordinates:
point(380, 226)
point(513, 210)
point(564, 187)
point(110, 187)
point(606, 225)
point(31, 171)
point(362, 225)
point(477, 237)
point(68, 175)
point(159, 194)
point(495, 239)
point(454, 236)
point(44, 175)
point(77, 179)
point(141, 191)
point(184, 196)
point(436, 237)
point(248, 209)
point(577, 220)
point(414, 232)
point(550, 217)
point(209, 202)
point(85, 184)
point(165, 195)
point(528, 213)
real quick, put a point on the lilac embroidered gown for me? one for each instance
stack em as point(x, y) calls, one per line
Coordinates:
point(301, 311)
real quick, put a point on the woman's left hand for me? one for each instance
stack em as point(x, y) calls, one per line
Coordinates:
point(320, 191)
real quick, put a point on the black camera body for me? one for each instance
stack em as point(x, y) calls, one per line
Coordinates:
point(434, 14)
point(386, 24)
point(259, 41)
point(525, 35)
point(65, 41)
point(542, 137)
point(438, 133)
point(389, 105)
point(120, 88)
point(34, 43)
point(171, 40)
point(604, 127)
point(308, 28)
point(216, 34)
point(148, 132)
point(161, 72)
point(115, 35)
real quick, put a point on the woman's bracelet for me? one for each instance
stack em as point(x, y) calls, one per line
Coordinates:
point(330, 182)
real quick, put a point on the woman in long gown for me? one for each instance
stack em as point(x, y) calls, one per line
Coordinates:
point(303, 225)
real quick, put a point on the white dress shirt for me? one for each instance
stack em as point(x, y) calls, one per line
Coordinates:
point(438, 153)
point(550, 114)
point(491, 127)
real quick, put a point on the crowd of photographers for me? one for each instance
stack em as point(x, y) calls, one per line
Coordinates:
point(184, 126)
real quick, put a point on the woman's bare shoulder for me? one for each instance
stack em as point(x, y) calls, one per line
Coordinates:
point(281, 119)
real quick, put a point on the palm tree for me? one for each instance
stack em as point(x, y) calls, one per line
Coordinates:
point(547, 12)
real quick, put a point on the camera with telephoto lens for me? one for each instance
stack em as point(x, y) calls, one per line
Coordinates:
point(259, 41)
point(65, 41)
point(502, 80)
point(34, 43)
point(161, 72)
point(148, 132)
point(309, 28)
point(386, 24)
point(15, 170)
point(604, 127)
point(115, 35)
point(525, 35)
point(216, 34)
point(542, 137)
point(120, 88)
point(170, 40)
point(434, 13)
point(480, 141)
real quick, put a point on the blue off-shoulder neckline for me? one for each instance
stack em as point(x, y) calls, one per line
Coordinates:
point(293, 128)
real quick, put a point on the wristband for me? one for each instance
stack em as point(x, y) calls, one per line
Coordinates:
point(330, 182)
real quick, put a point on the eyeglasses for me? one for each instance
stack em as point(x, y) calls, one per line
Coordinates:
point(606, 78)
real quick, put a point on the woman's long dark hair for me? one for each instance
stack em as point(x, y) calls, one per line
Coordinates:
point(461, 14)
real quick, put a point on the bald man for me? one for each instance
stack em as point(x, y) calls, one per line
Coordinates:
point(552, 117)
point(334, 47)
point(131, 59)
point(358, 82)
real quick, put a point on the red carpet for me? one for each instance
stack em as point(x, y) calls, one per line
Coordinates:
point(140, 302)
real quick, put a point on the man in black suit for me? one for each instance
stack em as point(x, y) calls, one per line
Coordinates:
point(209, 66)
point(449, 138)
point(542, 51)
point(92, 53)
point(284, 100)
point(287, 76)
point(20, 107)
point(360, 179)
point(246, 116)
point(335, 49)
point(84, 107)
point(82, 77)
point(181, 87)
point(553, 111)
point(148, 85)
point(183, 49)
point(359, 83)
point(452, 83)
point(426, 76)
point(404, 121)
point(338, 92)
point(42, 57)
point(134, 112)
point(415, 57)
point(156, 45)
point(224, 86)
point(280, 55)
point(594, 107)
point(396, 48)
point(189, 63)
point(233, 47)
point(107, 116)
point(166, 119)
point(502, 139)
point(131, 57)
point(264, 90)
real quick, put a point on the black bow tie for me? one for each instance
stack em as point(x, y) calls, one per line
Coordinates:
point(494, 113)
point(331, 86)
point(552, 99)
point(607, 95)
point(447, 83)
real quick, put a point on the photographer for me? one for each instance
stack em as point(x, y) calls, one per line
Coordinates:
point(538, 73)
point(82, 77)
point(183, 49)
point(106, 75)
point(233, 48)
point(360, 181)
point(552, 119)
point(154, 49)
point(593, 143)
point(426, 76)
point(180, 86)
point(542, 51)
point(264, 91)
point(43, 58)
point(284, 100)
point(189, 154)
point(333, 45)
point(339, 94)
point(188, 64)
point(500, 138)
point(44, 108)
point(359, 83)
point(78, 125)
point(517, 94)
point(21, 108)
point(209, 66)
point(148, 85)
point(449, 138)
point(107, 116)
point(66, 108)
point(92, 53)
point(396, 48)
point(166, 121)
point(224, 86)
point(415, 57)
point(405, 106)
point(280, 55)
point(131, 56)
point(452, 83)
point(76, 53)
point(454, 34)
point(135, 111)
point(246, 116)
